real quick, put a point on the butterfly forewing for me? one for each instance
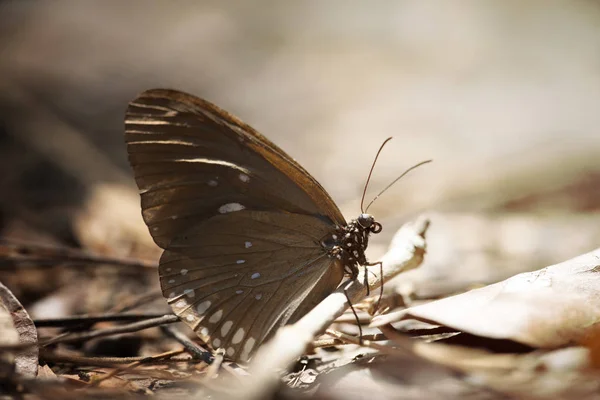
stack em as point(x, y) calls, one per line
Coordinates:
point(240, 221)
point(190, 158)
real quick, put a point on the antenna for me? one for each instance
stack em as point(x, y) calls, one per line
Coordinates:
point(391, 184)
point(362, 200)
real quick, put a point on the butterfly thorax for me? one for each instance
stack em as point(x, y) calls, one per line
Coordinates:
point(348, 243)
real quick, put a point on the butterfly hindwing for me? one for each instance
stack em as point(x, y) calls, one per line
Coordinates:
point(234, 285)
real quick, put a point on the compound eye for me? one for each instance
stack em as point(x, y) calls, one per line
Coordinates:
point(365, 220)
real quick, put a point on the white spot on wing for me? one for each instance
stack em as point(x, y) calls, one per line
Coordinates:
point(216, 343)
point(258, 296)
point(180, 304)
point(204, 331)
point(255, 275)
point(230, 351)
point(240, 261)
point(154, 107)
point(212, 183)
point(248, 347)
point(184, 271)
point(171, 280)
point(226, 327)
point(146, 122)
point(244, 178)
point(215, 317)
point(239, 291)
point(190, 318)
point(211, 161)
point(168, 269)
point(202, 307)
point(239, 335)
point(189, 293)
point(230, 207)
point(248, 244)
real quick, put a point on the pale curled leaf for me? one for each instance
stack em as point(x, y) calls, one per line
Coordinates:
point(547, 308)
point(9, 337)
point(554, 374)
point(45, 372)
point(408, 377)
point(26, 361)
point(459, 256)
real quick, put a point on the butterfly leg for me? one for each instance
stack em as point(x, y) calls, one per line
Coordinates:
point(360, 334)
point(366, 280)
point(381, 277)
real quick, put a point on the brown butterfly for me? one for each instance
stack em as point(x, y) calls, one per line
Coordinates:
point(252, 241)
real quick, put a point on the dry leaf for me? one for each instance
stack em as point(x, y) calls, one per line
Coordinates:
point(557, 374)
point(548, 308)
point(45, 372)
point(459, 256)
point(8, 337)
point(26, 361)
point(111, 222)
point(383, 377)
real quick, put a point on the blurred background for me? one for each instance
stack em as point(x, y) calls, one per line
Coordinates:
point(503, 95)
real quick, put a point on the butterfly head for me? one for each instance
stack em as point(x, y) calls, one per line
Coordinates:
point(368, 222)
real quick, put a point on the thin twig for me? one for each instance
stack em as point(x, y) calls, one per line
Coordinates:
point(192, 347)
point(367, 343)
point(128, 328)
point(143, 361)
point(33, 255)
point(349, 318)
point(137, 301)
point(50, 356)
point(17, 347)
point(93, 318)
point(326, 342)
point(329, 342)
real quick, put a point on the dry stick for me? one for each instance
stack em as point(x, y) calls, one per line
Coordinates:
point(128, 367)
point(17, 347)
point(50, 356)
point(23, 254)
point(289, 343)
point(137, 301)
point(128, 328)
point(192, 347)
point(354, 340)
point(93, 318)
point(398, 339)
point(349, 318)
point(328, 342)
